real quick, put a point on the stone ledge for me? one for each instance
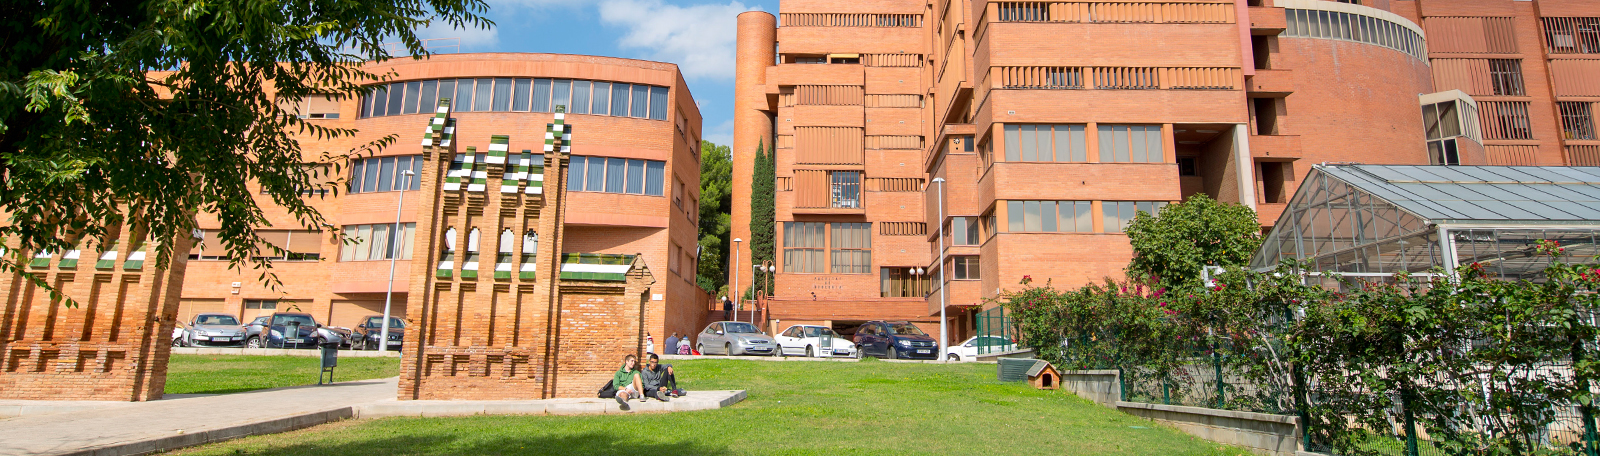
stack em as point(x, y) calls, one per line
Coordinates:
point(313, 353)
point(1235, 414)
point(694, 400)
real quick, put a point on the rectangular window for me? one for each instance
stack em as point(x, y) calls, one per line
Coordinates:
point(1577, 119)
point(575, 174)
point(369, 182)
point(1046, 217)
point(580, 97)
point(640, 105)
point(561, 93)
point(464, 90)
point(601, 103)
point(658, 103)
point(286, 245)
point(519, 95)
point(397, 93)
point(447, 89)
point(965, 231)
point(413, 95)
point(1443, 152)
point(1506, 76)
point(619, 99)
point(616, 178)
point(802, 247)
point(384, 174)
point(964, 267)
point(1118, 214)
point(377, 242)
point(596, 179)
point(541, 95)
point(1504, 120)
point(852, 248)
point(1572, 35)
point(1045, 143)
point(845, 189)
point(654, 176)
point(1131, 144)
point(1188, 166)
point(901, 283)
point(636, 177)
point(502, 94)
point(258, 304)
point(430, 96)
point(483, 99)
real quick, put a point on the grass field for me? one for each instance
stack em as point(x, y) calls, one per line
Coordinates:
point(203, 374)
point(794, 408)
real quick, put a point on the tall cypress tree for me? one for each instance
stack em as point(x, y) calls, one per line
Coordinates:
point(763, 213)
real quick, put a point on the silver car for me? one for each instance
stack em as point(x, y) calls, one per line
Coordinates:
point(735, 338)
point(214, 330)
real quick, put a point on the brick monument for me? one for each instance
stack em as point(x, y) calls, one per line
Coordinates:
point(538, 323)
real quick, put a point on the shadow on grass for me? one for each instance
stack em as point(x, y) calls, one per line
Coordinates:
point(591, 443)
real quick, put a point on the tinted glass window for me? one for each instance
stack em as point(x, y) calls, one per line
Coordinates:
point(216, 320)
point(740, 328)
point(906, 330)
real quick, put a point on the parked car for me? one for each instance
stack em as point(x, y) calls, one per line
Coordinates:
point(367, 333)
point(895, 340)
point(292, 330)
point(807, 340)
point(968, 351)
point(252, 331)
point(178, 333)
point(735, 338)
point(213, 329)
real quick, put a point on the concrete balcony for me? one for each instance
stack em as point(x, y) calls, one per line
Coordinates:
point(1274, 82)
point(1266, 20)
point(1275, 147)
point(818, 74)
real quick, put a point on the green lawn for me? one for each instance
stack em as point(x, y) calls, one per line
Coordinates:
point(203, 374)
point(794, 408)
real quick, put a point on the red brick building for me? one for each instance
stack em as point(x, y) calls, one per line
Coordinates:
point(1052, 123)
point(635, 187)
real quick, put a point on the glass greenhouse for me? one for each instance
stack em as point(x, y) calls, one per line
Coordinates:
point(1377, 220)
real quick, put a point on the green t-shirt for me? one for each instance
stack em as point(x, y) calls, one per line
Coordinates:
point(622, 379)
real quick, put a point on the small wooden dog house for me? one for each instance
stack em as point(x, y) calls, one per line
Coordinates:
point(1044, 376)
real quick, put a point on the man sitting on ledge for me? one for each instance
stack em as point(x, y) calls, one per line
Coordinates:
point(659, 380)
point(626, 381)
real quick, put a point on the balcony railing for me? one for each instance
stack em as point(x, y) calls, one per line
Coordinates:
point(1118, 78)
point(1117, 12)
point(850, 20)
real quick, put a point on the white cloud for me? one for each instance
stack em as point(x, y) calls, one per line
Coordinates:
point(699, 38)
point(722, 134)
point(470, 37)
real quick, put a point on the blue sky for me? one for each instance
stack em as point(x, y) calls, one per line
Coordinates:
point(698, 36)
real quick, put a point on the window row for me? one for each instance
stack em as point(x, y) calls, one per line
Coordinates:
point(1303, 23)
point(1572, 35)
point(281, 245)
point(616, 175)
point(848, 244)
point(379, 174)
point(518, 95)
point(378, 242)
point(1066, 144)
point(1074, 216)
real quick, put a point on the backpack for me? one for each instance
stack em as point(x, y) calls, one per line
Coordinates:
point(608, 391)
point(683, 349)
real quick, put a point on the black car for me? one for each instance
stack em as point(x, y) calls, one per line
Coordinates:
point(365, 336)
point(291, 330)
point(895, 340)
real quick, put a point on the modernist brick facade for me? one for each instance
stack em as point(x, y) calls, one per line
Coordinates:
point(341, 292)
point(1235, 99)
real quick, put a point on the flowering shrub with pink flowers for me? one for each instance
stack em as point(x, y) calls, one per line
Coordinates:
point(1476, 364)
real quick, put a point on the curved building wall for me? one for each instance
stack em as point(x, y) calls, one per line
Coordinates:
point(661, 225)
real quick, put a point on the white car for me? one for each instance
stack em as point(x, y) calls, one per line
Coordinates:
point(806, 340)
point(968, 351)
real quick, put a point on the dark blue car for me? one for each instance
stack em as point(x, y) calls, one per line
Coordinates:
point(294, 330)
point(895, 340)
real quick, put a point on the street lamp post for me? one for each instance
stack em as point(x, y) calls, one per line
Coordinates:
point(394, 255)
point(943, 293)
point(765, 268)
point(736, 293)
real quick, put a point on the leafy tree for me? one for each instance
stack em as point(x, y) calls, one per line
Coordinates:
point(763, 215)
point(1173, 246)
point(138, 114)
point(716, 203)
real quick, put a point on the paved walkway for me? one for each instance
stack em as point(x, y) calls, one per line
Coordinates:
point(144, 427)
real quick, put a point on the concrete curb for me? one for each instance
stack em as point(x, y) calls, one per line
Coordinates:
point(163, 444)
point(695, 400)
point(310, 353)
point(758, 358)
